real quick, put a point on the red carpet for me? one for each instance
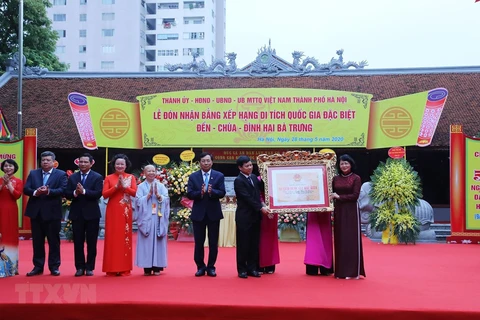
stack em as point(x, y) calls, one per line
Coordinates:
point(423, 281)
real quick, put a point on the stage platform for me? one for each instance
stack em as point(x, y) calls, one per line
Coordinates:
point(423, 281)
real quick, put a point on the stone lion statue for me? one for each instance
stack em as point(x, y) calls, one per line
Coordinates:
point(423, 212)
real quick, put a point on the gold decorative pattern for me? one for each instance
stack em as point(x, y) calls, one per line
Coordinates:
point(466, 234)
point(30, 132)
point(298, 158)
point(456, 128)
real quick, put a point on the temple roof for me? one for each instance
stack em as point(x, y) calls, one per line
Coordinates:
point(45, 105)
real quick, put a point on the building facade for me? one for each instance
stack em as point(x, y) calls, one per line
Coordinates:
point(136, 35)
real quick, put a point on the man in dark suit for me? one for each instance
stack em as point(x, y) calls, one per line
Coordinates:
point(84, 188)
point(206, 187)
point(247, 218)
point(45, 187)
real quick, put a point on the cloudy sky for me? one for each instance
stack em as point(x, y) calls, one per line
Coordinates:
point(386, 33)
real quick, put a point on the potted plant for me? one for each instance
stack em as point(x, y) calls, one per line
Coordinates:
point(396, 189)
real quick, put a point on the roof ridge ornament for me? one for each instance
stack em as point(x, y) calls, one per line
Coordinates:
point(267, 63)
point(200, 67)
point(13, 65)
point(310, 64)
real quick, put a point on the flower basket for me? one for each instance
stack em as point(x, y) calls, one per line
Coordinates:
point(291, 226)
point(178, 180)
point(68, 230)
point(182, 219)
point(396, 189)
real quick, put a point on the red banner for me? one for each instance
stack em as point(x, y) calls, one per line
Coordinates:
point(29, 163)
point(459, 231)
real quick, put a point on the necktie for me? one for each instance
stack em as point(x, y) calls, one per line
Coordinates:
point(84, 175)
point(250, 180)
point(45, 177)
point(206, 181)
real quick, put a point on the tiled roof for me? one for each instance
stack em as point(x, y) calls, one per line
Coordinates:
point(45, 103)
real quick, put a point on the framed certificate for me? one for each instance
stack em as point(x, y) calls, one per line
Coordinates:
point(298, 181)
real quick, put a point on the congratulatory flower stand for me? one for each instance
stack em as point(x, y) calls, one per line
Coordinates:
point(396, 189)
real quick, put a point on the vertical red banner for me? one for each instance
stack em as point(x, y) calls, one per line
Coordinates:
point(457, 179)
point(29, 163)
point(458, 192)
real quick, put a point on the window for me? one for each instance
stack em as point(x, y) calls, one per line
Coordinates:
point(194, 20)
point(59, 2)
point(82, 2)
point(108, 16)
point(193, 35)
point(213, 44)
point(82, 65)
point(60, 49)
point(167, 36)
point(82, 49)
point(213, 14)
point(82, 33)
point(108, 1)
point(83, 17)
point(61, 33)
point(60, 17)
point(168, 53)
point(107, 65)
point(193, 4)
point(168, 23)
point(170, 5)
point(108, 49)
point(190, 51)
point(107, 32)
point(213, 29)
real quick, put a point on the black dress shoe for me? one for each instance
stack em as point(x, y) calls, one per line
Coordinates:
point(79, 273)
point(200, 272)
point(211, 273)
point(55, 272)
point(243, 275)
point(254, 273)
point(89, 273)
point(35, 272)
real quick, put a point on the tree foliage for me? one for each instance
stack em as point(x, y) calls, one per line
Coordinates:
point(39, 40)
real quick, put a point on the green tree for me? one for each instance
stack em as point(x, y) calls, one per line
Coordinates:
point(39, 40)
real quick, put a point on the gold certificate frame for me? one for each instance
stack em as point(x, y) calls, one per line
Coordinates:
point(298, 181)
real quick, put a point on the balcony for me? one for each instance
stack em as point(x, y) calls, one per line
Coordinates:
point(151, 39)
point(151, 24)
point(151, 8)
point(150, 55)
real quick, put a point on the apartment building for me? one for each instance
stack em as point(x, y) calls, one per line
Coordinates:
point(136, 35)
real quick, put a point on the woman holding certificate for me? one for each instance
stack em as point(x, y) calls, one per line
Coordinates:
point(347, 234)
